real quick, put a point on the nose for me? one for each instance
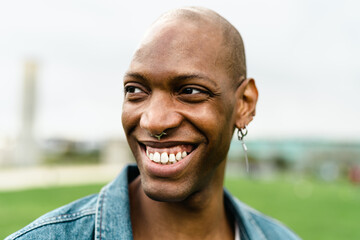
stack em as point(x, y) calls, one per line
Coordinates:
point(160, 114)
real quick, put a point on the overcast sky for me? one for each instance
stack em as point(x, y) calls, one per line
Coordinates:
point(303, 54)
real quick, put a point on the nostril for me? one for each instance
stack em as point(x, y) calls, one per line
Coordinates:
point(160, 123)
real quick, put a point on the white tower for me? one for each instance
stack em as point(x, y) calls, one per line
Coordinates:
point(26, 150)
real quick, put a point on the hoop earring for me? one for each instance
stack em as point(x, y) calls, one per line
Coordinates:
point(242, 132)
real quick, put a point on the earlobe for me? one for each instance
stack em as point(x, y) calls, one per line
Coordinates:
point(246, 95)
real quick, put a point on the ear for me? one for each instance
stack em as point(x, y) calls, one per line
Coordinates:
point(246, 97)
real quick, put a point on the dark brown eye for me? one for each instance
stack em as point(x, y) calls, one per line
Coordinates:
point(194, 94)
point(132, 89)
point(190, 90)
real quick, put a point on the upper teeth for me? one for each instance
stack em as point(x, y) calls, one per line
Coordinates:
point(156, 157)
point(165, 158)
point(172, 158)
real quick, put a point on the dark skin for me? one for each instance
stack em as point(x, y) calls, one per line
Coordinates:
point(176, 84)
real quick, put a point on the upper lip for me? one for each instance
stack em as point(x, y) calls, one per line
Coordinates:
point(165, 144)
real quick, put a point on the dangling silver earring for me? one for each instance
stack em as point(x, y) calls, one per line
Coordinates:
point(242, 132)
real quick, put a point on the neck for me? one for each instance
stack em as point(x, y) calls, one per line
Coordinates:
point(200, 216)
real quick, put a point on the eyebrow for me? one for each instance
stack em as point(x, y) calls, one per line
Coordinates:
point(135, 75)
point(176, 78)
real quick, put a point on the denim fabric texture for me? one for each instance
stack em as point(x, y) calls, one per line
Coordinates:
point(107, 216)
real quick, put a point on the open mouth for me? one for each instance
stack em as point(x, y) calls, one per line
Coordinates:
point(168, 155)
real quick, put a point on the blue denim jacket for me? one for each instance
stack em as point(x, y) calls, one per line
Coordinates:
point(107, 216)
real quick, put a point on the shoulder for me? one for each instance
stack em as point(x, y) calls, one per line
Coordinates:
point(66, 222)
point(260, 225)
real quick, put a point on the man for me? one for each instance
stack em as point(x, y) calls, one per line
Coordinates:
point(186, 92)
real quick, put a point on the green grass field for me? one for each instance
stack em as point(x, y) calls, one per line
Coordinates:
point(314, 210)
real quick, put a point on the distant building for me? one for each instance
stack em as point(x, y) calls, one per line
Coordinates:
point(116, 151)
point(26, 152)
point(6, 151)
point(325, 159)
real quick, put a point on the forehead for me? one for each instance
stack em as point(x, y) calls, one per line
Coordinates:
point(179, 46)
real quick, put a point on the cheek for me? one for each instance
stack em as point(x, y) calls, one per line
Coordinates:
point(214, 120)
point(129, 118)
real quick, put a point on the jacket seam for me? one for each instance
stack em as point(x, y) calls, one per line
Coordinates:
point(101, 209)
point(275, 222)
point(100, 213)
point(56, 219)
point(255, 224)
point(247, 212)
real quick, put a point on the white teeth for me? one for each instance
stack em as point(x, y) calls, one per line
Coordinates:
point(172, 158)
point(164, 158)
point(156, 157)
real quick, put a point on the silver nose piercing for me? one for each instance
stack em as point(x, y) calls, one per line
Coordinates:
point(158, 136)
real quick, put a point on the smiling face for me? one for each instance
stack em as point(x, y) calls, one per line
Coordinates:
point(176, 84)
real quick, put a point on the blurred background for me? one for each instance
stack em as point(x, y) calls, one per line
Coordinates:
point(61, 93)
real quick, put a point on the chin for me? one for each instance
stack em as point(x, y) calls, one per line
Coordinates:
point(166, 193)
point(165, 197)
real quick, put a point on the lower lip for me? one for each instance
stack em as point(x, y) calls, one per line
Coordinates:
point(165, 170)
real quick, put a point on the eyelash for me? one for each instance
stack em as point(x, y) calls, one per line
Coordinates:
point(189, 93)
point(132, 89)
point(199, 91)
point(129, 89)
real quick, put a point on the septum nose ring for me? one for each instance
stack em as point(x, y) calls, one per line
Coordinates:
point(158, 136)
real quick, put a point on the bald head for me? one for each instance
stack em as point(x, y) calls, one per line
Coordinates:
point(232, 56)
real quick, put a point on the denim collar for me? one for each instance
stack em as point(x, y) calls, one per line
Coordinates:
point(113, 211)
point(112, 220)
